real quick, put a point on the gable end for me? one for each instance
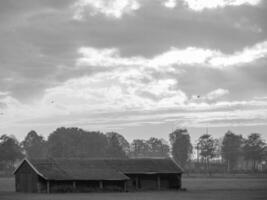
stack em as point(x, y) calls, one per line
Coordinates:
point(26, 161)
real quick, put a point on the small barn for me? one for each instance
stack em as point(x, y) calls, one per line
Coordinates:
point(92, 175)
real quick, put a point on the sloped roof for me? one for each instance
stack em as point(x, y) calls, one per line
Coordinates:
point(74, 169)
point(99, 169)
point(88, 169)
point(145, 165)
point(49, 169)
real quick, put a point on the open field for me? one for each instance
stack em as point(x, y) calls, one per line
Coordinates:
point(198, 188)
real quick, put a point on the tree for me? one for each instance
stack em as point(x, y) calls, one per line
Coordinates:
point(75, 142)
point(34, 145)
point(181, 146)
point(152, 147)
point(254, 148)
point(122, 141)
point(139, 148)
point(10, 150)
point(114, 148)
point(231, 149)
point(158, 147)
point(207, 146)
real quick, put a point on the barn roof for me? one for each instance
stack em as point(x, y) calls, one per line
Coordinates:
point(99, 169)
point(145, 165)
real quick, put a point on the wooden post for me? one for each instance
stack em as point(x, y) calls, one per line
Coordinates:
point(38, 187)
point(101, 185)
point(125, 186)
point(48, 187)
point(136, 183)
point(179, 181)
point(158, 181)
point(74, 185)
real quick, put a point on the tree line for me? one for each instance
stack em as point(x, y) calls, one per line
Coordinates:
point(78, 143)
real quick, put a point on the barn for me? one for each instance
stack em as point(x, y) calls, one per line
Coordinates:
point(92, 175)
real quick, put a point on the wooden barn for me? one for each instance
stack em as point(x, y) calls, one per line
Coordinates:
point(86, 175)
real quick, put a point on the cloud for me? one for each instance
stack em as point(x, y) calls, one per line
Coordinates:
point(106, 72)
point(37, 38)
point(3, 93)
point(119, 90)
point(200, 5)
point(118, 8)
point(128, 98)
point(170, 3)
point(247, 55)
point(213, 95)
point(105, 58)
point(109, 8)
point(189, 56)
point(216, 94)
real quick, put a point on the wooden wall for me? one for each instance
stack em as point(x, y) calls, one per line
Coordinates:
point(26, 179)
point(153, 181)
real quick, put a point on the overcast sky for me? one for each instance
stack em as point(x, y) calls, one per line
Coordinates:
point(138, 67)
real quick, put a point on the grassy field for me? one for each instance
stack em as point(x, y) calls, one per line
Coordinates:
point(198, 188)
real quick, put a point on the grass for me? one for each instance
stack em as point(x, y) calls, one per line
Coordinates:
point(7, 185)
point(198, 188)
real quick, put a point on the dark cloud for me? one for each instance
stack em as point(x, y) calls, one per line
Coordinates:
point(155, 28)
point(39, 37)
point(243, 83)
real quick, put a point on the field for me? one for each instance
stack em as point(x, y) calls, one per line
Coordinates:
point(198, 188)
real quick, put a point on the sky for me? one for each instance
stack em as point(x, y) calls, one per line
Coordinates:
point(138, 67)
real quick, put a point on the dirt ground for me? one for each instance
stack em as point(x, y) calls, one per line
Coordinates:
point(197, 188)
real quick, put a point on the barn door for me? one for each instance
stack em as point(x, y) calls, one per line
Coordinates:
point(23, 183)
point(27, 183)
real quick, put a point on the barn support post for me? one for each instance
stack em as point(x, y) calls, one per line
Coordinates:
point(74, 185)
point(101, 186)
point(38, 187)
point(179, 181)
point(158, 182)
point(48, 187)
point(125, 186)
point(136, 182)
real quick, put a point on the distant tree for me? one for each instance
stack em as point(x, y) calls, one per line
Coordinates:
point(122, 141)
point(158, 147)
point(10, 150)
point(254, 148)
point(114, 148)
point(34, 145)
point(75, 142)
point(231, 149)
point(181, 146)
point(139, 148)
point(152, 147)
point(218, 148)
point(265, 155)
point(207, 146)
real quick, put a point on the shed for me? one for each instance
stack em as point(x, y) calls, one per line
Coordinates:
point(85, 175)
